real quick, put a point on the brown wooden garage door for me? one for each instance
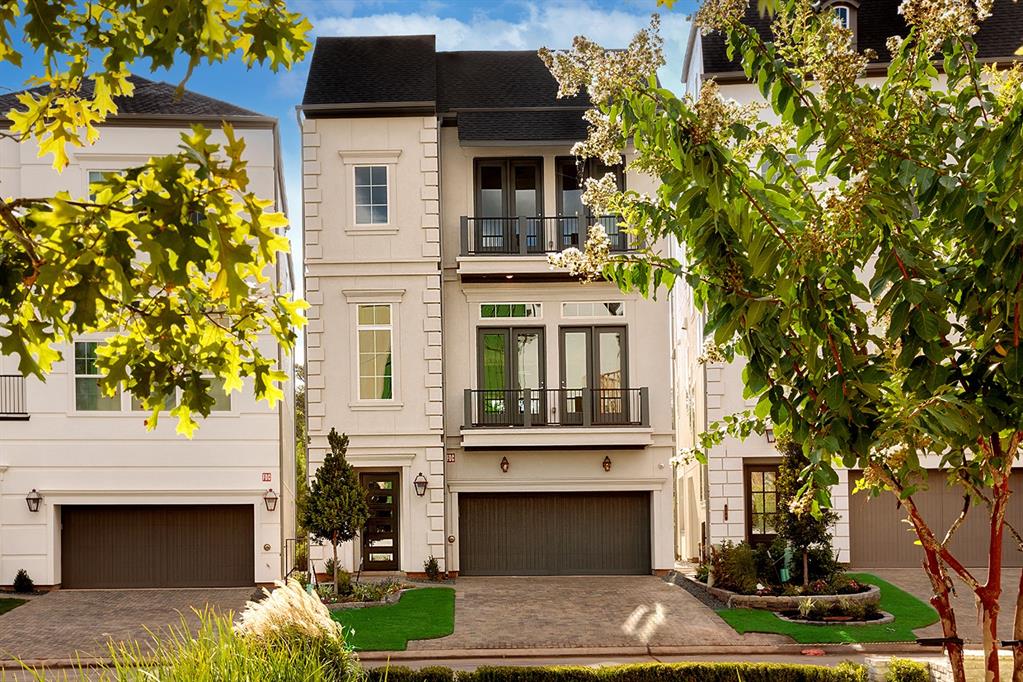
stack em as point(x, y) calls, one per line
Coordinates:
point(157, 546)
point(879, 538)
point(554, 533)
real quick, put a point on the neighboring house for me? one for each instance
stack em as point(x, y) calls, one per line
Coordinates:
point(733, 497)
point(119, 506)
point(507, 419)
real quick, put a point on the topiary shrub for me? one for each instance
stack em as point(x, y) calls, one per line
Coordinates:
point(905, 670)
point(23, 583)
point(432, 568)
point(403, 674)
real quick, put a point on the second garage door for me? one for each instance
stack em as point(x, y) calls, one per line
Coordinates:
point(157, 546)
point(880, 539)
point(554, 533)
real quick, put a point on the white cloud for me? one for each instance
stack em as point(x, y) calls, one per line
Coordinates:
point(550, 24)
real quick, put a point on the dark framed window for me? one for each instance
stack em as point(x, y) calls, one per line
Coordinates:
point(508, 188)
point(510, 359)
point(594, 368)
point(574, 218)
point(761, 491)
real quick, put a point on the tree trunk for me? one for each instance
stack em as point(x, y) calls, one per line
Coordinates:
point(942, 603)
point(806, 568)
point(333, 543)
point(989, 611)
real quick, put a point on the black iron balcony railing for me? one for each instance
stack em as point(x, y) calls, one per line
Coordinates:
point(535, 236)
point(13, 404)
point(551, 407)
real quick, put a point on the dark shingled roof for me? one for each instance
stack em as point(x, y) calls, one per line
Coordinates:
point(387, 69)
point(520, 96)
point(155, 98)
point(876, 20)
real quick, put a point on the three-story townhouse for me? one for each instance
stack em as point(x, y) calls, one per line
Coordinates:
point(508, 419)
point(88, 497)
point(732, 497)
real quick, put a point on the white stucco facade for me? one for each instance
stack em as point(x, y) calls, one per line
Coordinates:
point(98, 458)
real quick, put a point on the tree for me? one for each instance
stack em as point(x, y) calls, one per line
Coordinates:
point(337, 508)
point(805, 532)
point(301, 465)
point(860, 249)
point(173, 258)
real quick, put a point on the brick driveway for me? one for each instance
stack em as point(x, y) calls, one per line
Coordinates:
point(64, 623)
point(914, 581)
point(558, 612)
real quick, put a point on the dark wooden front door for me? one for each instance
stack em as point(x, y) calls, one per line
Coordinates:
point(123, 546)
point(380, 536)
point(554, 533)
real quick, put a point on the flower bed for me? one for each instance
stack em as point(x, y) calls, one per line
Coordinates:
point(871, 594)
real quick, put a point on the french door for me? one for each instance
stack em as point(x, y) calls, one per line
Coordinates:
point(505, 190)
point(510, 360)
point(381, 533)
point(594, 375)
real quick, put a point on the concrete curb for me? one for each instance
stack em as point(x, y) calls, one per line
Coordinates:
point(907, 648)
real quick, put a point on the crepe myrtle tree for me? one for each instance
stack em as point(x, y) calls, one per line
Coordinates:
point(860, 247)
point(337, 506)
point(172, 259)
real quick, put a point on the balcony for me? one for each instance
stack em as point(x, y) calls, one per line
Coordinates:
point(498, 246)
point(13, 404)
point(556, 417)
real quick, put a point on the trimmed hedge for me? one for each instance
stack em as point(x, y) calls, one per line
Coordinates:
point(905, 670)
point(645, 672)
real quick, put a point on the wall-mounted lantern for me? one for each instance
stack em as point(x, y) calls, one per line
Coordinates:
point(770, 434)
point(504, 465)
point(270, 498)
point(420, 484)
point(33, 499)
point(607, 463)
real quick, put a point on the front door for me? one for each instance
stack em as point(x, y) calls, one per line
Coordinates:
point(380, 536)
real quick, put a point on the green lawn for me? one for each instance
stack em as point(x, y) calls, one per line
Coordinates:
point(8, 603)
point(910, 614)
point(422, 613)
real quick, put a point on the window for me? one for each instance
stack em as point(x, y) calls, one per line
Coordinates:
point(371, 195)
point(374, 341)
point(593, 309)
point(88, 396)
point(842, 16)
point(510, 360)
point(761, 502)
point(221, 399)
point(574, 218)
point(594, 368)
point(510, 310)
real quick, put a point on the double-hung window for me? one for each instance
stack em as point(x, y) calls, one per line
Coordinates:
point(375, 341)
point(88, 395)
point(371, 205)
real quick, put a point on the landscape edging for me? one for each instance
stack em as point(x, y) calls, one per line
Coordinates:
point(734, 600)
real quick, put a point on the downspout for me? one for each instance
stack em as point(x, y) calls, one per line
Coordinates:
point(305, 342)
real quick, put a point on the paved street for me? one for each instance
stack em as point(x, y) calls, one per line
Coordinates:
point(65, 623)
point(914, 581)
point(562, 612)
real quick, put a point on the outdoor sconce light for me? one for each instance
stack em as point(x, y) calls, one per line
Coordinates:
point(270, 498)
point(33, 499)
point(420, 484)
point(770, 434)
point(504, 465)
point(607, 463)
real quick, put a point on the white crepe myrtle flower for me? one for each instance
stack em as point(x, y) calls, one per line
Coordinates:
point(587, 264)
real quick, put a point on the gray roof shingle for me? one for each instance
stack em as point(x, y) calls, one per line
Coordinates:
point(999, 36)
point(155, 98)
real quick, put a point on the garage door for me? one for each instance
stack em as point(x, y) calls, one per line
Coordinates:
point(157, 546)
point(554, 533)
point(879, 537)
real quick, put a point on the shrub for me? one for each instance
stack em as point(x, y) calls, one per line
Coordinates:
point(403, 674)
point(734, 567)
point(905, 670)
point(432, 568)
point(23, 583)
point(680, 672)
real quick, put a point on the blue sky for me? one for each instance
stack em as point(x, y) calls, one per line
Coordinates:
point(458, 25)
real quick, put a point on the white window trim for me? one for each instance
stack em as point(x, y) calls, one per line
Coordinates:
point(391, 298)
point(385, 157)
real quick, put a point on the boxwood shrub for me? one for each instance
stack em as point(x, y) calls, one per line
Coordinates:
point(646, 672)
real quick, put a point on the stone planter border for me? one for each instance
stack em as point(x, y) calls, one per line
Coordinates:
point(885, 618)
point(388, 599)
point(734, 600)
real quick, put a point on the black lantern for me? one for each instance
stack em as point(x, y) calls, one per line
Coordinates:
point(33, 499)
point(607, 463)
point(420, 484)
point(504, 464)
point(270, 499)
